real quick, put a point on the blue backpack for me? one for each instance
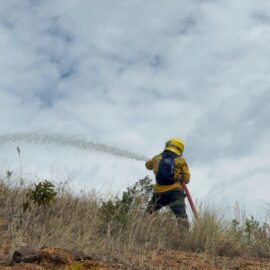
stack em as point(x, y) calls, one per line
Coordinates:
point(165, 173)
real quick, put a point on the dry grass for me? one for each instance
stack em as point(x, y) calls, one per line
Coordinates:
point(77, 222)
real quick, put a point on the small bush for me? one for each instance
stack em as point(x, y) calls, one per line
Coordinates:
point(116, 210)
point(42, 195)
point(257, 237)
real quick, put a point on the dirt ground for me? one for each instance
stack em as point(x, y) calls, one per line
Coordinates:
point(187, 260)
point(53, 258)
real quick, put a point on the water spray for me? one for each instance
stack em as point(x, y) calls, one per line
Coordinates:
point(66, 140)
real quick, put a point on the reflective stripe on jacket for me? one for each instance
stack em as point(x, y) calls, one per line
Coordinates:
point(181, 172)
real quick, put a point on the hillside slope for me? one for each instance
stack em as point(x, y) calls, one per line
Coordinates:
point(52, 258)
point(86, 232)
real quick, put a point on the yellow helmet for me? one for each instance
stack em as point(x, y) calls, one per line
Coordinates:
point(175, 145)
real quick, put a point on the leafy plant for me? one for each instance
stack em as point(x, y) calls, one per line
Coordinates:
point(116, 210)
point(9, 174)
point(43, 194)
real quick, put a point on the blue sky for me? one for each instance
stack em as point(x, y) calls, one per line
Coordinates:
point(132, 74)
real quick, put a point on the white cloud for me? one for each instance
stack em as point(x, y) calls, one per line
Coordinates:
point(133, 74)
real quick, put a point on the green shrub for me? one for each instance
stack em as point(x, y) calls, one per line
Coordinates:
point(42, 195)
point(116, 210)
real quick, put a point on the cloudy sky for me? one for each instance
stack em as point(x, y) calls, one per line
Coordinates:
point(132, 74)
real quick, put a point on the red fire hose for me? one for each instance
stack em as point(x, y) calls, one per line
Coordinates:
point(193, 208)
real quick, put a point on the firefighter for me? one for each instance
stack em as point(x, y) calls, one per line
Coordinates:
point(170, 169)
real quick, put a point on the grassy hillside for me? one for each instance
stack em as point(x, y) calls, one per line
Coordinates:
point(118, 227)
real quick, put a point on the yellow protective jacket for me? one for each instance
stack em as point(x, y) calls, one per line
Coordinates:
point(181, 172)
